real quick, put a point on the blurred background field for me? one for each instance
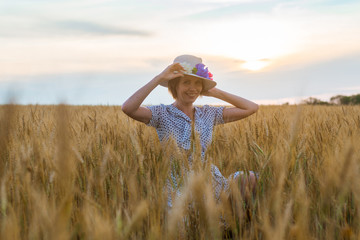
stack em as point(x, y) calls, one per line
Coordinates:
point(90, 172)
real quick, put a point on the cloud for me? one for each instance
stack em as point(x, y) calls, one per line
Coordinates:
point(97, 29)
point(39, 27)
point(322, 81)
point(231, 9)
point(334, 76)
point(221, 9)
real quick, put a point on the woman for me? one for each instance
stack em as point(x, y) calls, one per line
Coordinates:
point(187, 79)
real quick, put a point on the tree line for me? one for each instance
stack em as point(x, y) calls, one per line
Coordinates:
point(335, 100)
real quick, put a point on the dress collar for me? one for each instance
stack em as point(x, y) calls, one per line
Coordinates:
point(177, 112)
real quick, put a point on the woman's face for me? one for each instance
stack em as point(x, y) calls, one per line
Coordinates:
point(188, 89)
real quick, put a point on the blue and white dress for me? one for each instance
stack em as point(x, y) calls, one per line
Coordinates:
point(169, 121)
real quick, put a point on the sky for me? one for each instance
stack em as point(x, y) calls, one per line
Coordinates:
point(99, 52)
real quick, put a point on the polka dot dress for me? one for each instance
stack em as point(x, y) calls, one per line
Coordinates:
point(170, 121)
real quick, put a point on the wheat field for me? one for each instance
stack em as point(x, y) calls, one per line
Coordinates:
point(90, 172)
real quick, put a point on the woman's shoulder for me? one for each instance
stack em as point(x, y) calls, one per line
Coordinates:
point(211, 113)
point(161, 109)
point(158, 107)
point(208, 108)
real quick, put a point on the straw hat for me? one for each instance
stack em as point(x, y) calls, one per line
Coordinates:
point(194, 68)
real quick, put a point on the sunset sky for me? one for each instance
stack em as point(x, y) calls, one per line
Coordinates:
point(101, 51)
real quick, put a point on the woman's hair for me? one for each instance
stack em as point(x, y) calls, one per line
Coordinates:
point(173, 83)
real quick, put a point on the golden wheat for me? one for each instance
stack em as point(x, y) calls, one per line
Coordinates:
point(90, 172)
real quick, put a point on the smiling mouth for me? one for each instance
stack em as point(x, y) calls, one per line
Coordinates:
point(192, 94)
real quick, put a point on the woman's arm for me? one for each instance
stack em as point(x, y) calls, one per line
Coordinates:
point(132, 108)
point(243, 107)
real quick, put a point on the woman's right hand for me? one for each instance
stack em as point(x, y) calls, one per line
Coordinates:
point(174, 70)
point(132, 106)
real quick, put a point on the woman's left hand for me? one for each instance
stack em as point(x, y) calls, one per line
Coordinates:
point(242, 107)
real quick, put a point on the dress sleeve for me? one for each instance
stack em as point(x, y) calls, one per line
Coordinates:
point(213, 114)
point(155, 115)
point(218, 115)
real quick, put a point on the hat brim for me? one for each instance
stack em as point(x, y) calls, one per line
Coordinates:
point(208, 84)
